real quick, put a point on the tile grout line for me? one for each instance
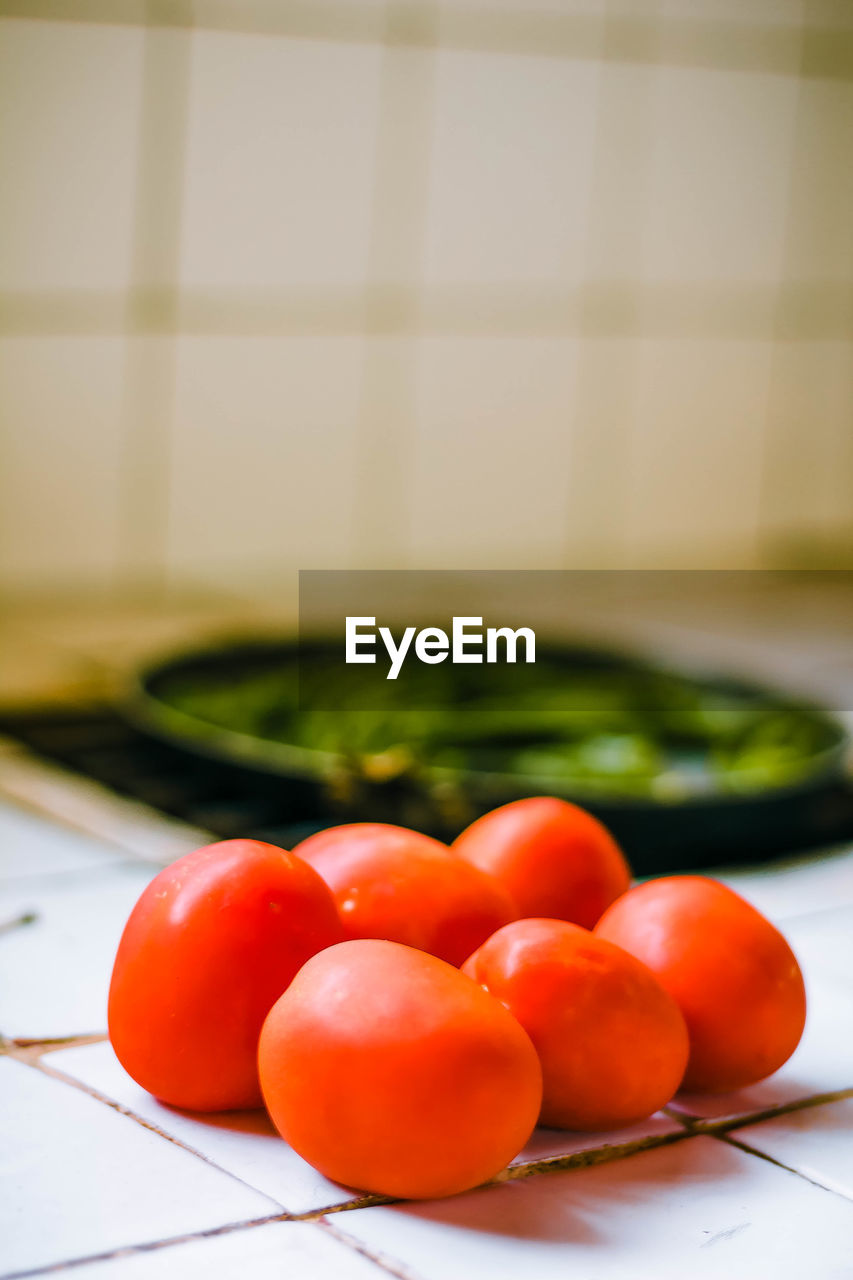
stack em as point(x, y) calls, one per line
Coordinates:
point(106, 814)
point(37, 1064)
point(34, 881)
point(146, 1247)
point(588, 1158)
point(125, 1251)
point(518, 1172)
point(774, 439)
point(32, 1055)
point(763, 1155)
point(762, 47)
point(379, 1258)
point(385, 425)
point(150, 373)
point(29, 1050)
point(369, 1200)
point(603, 457)
point(700, 1125)
point(600, 309)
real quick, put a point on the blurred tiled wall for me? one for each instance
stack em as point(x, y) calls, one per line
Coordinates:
point(305, 283)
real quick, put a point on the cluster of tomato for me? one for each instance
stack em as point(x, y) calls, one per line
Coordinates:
point(326, 983)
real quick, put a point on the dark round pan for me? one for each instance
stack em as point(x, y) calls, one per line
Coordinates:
point(697, 825)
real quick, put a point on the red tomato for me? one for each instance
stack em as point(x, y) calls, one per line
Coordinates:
point(555, 859)
point(397, 884)
point(612, 1043)
point(209, 947)
point(389, 1070)
point(731, 972)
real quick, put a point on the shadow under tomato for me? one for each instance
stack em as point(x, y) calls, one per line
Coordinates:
point(255, 1122)
point(767, 1097)
point(578, 1205)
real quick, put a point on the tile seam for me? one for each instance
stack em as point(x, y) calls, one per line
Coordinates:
point(699, 1124)
point(380, 1259)
point(779, 1164)
point(391, 1266)
point(588, 1158)
point(148, 1246)
point(33, 882)
point(29, 1049)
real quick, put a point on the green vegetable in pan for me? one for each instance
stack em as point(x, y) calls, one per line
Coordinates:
point(611, 726)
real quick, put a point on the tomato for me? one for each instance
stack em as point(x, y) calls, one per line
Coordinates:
point(733, 975)
point(209, 947)
point(555, 859)
point(390, 1071)
point(397, 884)
point(612, 1043)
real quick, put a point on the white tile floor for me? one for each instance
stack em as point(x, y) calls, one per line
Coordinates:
point(135, 1189)
point(796, 886)
point(823, 941)
point(57, 969)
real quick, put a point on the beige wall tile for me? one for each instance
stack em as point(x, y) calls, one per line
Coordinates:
point(385, 460)
point(620, 206)
point(512, 151)
point(719, 174)
point(832, 13)
point(69, 102)
point(596, 513)
point(808, 474)
point(59, 482)
point(280, 162)
point(819, 243)
point(491, 457)
point(770, 13)
point(695, 453)
point(263, 456)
